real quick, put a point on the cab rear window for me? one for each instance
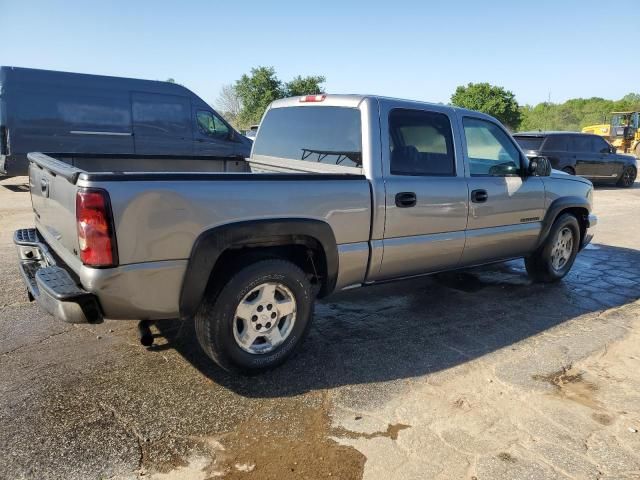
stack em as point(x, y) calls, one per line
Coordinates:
point(329, 135)
point(529, 143)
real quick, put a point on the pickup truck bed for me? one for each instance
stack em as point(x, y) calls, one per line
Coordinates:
point(159, 216)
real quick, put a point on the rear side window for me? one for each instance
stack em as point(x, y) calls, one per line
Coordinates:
point(557, 143)
point(421, 143)
point(157, 115)
point(529, 143)
point(330, 135)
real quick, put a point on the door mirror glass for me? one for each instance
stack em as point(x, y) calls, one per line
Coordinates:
point(539, 167)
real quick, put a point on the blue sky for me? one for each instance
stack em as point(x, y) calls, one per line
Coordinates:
point(418, 50)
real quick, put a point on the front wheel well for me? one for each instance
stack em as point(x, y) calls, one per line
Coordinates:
point(582, 214)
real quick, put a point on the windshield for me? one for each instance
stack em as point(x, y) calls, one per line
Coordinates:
point(329, 135)
point(529, 143)
point(620, 120)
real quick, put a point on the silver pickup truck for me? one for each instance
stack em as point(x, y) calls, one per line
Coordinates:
point(339, 191)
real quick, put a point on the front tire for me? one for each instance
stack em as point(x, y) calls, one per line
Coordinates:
point(553, 260)
point(257, 319)
point(628, 177)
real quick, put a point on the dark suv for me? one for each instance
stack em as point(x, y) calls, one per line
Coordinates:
point(590, 156)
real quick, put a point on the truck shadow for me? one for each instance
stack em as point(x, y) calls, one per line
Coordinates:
point(415, 327)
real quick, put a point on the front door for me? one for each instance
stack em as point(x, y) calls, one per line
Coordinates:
point(609, 165)
point(426, 193)
point(505, 206)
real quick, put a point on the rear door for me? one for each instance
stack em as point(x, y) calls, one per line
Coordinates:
point(426, 192)
point(505, 206)
point(161, 124)
point(211, 135)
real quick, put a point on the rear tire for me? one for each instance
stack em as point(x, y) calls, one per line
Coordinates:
point(569, 170)
point(257, 319)
point(628, 177)
point(555, 257)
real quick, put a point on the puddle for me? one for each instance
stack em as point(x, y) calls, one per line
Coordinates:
point(261, 450)
point(391, 432)
point(570, 384)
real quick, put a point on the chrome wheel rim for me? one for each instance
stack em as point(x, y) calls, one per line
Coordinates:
point(562, 249)
point(264, 318)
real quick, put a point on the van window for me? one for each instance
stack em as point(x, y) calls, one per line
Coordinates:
point(155, 114)
point(211, 125)
point(70, 111)
point(421, 143)
point(330, 135)
point(491, 152)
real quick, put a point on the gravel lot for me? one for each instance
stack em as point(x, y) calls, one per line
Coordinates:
point(475, 375)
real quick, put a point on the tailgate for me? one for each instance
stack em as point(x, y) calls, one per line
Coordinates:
point(53, 196)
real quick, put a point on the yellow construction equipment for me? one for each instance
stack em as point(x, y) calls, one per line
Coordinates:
point(623, 131)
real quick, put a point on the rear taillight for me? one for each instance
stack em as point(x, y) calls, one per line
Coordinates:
point(312, 98)
point(95, 228)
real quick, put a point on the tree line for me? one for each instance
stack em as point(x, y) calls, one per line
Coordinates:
point(244, 102)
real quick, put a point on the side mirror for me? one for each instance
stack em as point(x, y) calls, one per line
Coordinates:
point(612, 149)
point(539, 167)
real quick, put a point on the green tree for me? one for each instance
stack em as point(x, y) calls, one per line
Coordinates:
point(490, 99)
point(256, 91)
point(311, 85)
point(576, 113)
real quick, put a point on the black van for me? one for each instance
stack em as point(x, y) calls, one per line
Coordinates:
point(72, 113)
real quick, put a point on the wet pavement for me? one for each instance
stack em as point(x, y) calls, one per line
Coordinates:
point(475, 374)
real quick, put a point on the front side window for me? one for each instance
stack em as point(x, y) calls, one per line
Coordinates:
point(421, 143)
point(582, 143)
point(600, 145)
point(211, 125)
point(490, 150)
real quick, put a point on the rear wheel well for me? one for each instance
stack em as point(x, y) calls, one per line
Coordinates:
point(305, 252)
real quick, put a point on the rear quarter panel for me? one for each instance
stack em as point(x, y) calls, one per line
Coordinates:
point(160, 220)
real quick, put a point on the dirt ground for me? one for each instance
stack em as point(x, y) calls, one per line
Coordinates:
point(470, 375)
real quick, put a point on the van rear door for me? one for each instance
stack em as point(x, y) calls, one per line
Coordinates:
point(161, 124)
